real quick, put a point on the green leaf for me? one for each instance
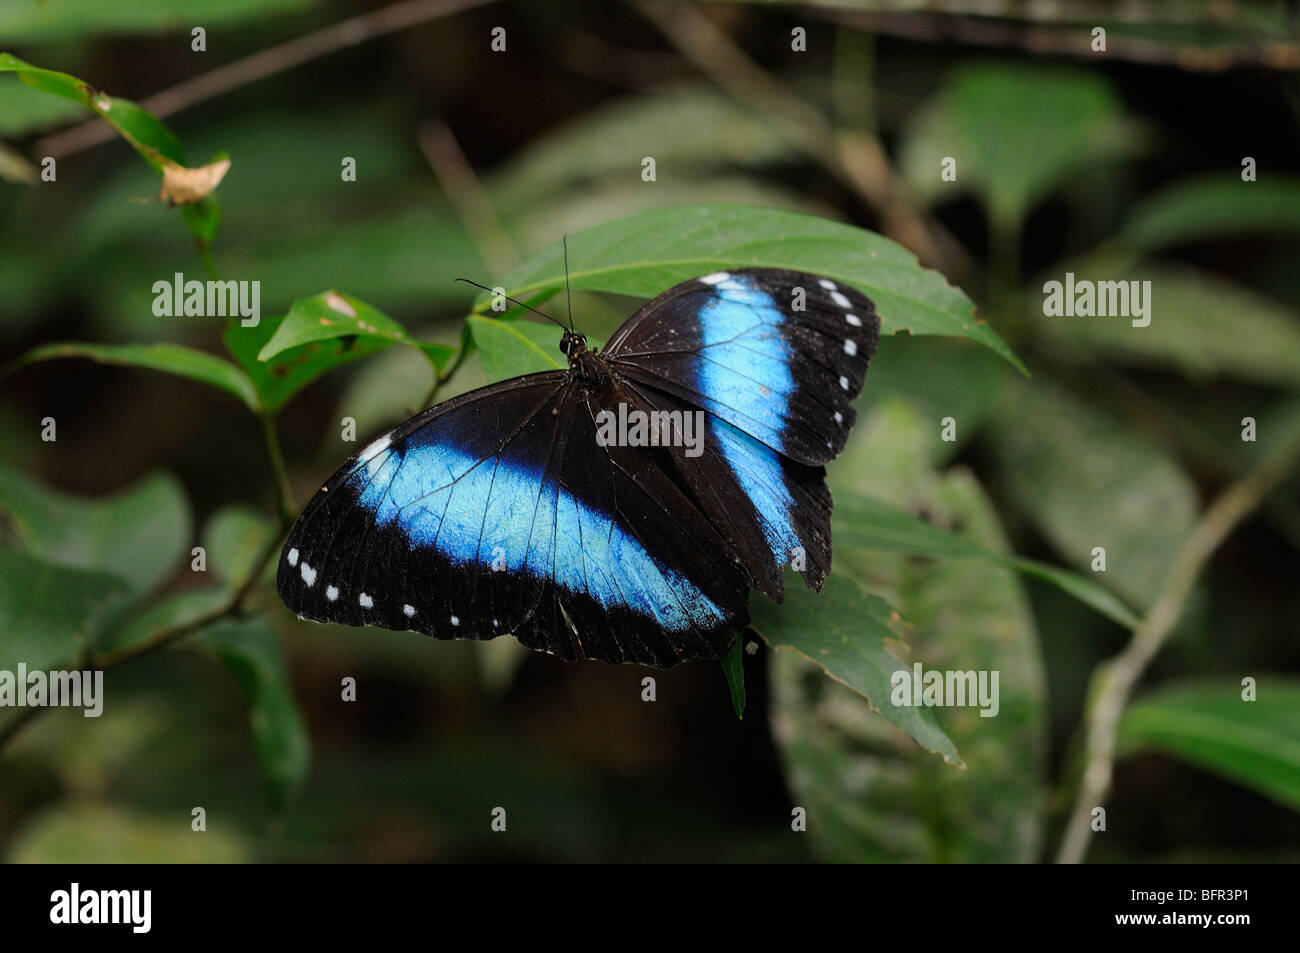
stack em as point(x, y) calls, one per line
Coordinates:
point(845, 629)
point(331, 315)
point(279, 379)
point(251, 651)
point(50, 613)
point(155, 143)
point(514, 348)
point(1214, 205)
point(139, 534)
point(650, 252)
point(1017, 132)
point(185, 608)
point(202, 218)
point(24, 110)
point(170, 358)
point(1188, 329)
point(867, 523)
point(869, 796)
point(235, 537)
point(733, 667)
point(1087, 481)
point(1254, 743)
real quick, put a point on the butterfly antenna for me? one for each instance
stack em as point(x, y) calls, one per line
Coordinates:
point(470, 281)
point(568, 293)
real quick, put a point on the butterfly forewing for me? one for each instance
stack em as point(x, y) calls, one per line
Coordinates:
point(778, 354)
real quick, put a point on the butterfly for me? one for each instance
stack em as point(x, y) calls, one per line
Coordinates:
point(510, 510)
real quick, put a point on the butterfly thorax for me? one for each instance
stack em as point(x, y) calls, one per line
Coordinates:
point(585, 364)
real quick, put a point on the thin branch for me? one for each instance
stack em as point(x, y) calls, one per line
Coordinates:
point(1113, 681)
point(169, 634)
point(164, 636)
point(260, 65)
point(856, 158)
point(467, 195)
point(1071, 40)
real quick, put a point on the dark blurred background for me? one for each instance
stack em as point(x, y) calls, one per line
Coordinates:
point(553, 131)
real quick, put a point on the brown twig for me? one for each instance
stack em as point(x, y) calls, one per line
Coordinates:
point(1069, 40)
point(1114, 680)
point(467, 196)
point(262, 64)
point(856, 158)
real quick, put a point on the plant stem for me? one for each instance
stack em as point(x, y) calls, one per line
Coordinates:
point(163, 636)
point(284, 490)
point(1113, 680)
point(441, 378)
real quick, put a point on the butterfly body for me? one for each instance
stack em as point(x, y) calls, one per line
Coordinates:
point(505, 511)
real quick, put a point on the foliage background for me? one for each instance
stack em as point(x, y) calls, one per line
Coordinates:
point(1122, 163)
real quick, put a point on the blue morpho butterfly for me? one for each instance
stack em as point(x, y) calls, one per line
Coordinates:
point(501, 512)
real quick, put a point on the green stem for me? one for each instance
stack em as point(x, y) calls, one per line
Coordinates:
point(284, 490)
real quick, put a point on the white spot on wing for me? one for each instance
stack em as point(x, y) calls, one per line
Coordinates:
point(332, 593)
point(717, 278)
point(827, 284)
point(308, 574)
point(293, 556)
point(366, 602)
point(839, 299)
point(850, 347)
point(839, 417)
point(455, 621)
point(408, 611)
point(844, 383)
point(854, 320)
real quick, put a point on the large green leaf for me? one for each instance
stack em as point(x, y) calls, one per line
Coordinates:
point(868, 523)
point(331, 315)
point(1202, 325)
point(513, 348)
point(280, 378)
point(1017, 132)
point(251, 651)
point(50, 613)
point(648, 253)
point(1254, 743)
point(1214, 205)
point(846, 631)
point(139, 534)
point(170, 358)
point(1086, 481)
point(868, 797)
